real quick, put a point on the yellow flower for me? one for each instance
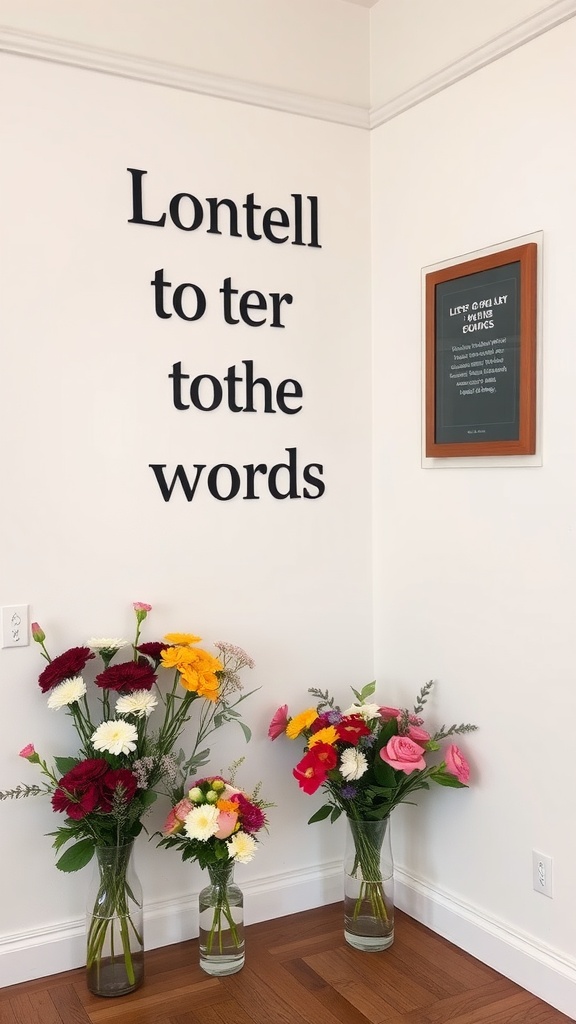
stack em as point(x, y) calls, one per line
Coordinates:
point(199, 674)
point(327, 735)
point(182, 638)
point(178, 657)
point(300, 722)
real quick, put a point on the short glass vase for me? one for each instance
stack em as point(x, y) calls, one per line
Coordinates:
point(221, 918)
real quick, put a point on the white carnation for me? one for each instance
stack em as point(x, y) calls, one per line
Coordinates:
point(366, 711)
point(353, 764)
point(140, 703)
point(67, 692)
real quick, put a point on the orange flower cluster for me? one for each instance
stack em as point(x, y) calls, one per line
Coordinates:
point(197, 668)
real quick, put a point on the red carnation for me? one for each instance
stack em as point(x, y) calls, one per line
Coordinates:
point(117, 778)
point(251, 816)
point(78, 791)
point(351, 728)
point(65, 666)
point(126, 677)
point(153, 650)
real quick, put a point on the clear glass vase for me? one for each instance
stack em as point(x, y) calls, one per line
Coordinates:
point(221, 912)
point(368, 885)
point(114, 924)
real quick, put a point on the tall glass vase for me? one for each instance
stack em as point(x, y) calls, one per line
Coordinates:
point(114, 933)
point(368, 885)
point(221, 909)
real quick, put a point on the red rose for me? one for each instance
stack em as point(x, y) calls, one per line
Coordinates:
point(78, 791)
point(65, 666)
point(126, 677)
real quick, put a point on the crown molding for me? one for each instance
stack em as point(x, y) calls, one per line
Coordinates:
point(175, 76)
point(498, 46)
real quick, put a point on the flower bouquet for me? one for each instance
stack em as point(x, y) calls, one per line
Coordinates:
point(123, 763)
point(216, 825)
point(368, 759)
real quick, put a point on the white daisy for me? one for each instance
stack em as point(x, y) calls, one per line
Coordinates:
point(107, 643)
point(366, 711)
point(67, 692)
point(140, 703)
point(115, 737)
point(202, 822)
point(353, 764)
point(242, 847)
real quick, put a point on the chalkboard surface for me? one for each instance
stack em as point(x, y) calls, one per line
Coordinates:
point(481, 355)
point(478, 357)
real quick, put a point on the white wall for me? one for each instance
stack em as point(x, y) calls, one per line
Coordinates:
point(86, 406)
point(471, 581)
point(473, 567)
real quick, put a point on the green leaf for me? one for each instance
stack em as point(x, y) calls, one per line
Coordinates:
point(321, 814)
point(337, 811)
point(77, 856)
point(365, 692)
point(385, 774)
point(65, 764)
point(445, 779)
point(246, 730)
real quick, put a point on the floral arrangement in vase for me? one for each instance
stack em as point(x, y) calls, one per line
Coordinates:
point(368, 758)
point(217, 825)
point(128, 726)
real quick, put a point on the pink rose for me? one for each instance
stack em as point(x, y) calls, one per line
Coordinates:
point(403, 754)
point(278, 723)
point(175, 821)
point(417, 734)
point(226, 824)
point(456, 764)
point(388, 713)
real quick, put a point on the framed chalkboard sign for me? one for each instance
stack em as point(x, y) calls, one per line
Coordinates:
point(481, 356)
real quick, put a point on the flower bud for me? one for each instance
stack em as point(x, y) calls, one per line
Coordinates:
point(29, 754)
point(141, 610)
point(195, 794)
point(38, 633)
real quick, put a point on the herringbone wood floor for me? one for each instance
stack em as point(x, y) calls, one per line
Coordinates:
point(298, 970)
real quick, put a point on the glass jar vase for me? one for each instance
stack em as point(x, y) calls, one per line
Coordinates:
point(114, 924)
point(221, 917)
point(368, 885)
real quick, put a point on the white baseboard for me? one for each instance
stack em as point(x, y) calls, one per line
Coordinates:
point(61, 947)
point(538, 968)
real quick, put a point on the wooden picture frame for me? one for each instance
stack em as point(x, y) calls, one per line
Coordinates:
point(480, 394)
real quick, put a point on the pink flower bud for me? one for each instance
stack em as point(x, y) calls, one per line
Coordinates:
point(141, 610)
point(38, 633)
point(29, 754)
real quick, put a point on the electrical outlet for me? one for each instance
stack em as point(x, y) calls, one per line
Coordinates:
point(542, 873)
point(15, 631)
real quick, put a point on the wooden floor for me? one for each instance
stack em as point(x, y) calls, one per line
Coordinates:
point(298, 970)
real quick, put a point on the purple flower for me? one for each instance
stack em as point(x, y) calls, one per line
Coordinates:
point(348, 792)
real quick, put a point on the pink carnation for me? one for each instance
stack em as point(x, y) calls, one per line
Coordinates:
point(27, 751)
point(140, 606)
point(278, 723)
point(456, 764)
point(403, 754)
